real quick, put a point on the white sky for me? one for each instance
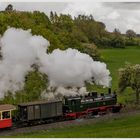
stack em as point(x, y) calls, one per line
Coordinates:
point(122, 15)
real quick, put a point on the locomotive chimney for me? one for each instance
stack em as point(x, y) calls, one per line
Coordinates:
point(109, 90)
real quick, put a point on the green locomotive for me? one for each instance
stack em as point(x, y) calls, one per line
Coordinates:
point(92, 104)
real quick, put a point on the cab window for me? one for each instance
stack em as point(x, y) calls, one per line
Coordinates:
point(6, 115)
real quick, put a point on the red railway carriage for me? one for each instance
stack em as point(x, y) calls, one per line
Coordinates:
point(5, 115)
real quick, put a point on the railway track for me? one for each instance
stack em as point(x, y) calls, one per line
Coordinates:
point(82, 121)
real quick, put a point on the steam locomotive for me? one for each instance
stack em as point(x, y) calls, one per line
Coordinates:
point(49, 111)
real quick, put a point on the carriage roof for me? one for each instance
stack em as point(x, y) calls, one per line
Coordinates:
point(39, 102)
point(7, 107)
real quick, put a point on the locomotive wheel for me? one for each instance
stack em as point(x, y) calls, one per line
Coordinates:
point(95, 113)
point(89, 115)
point(109, 111)
point(81, 116)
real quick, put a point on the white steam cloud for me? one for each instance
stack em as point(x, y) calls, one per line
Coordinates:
point(61, 92)
point(69, 68)
point(72, 68)
point(20, 50)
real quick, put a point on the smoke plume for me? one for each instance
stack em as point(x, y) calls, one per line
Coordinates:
point(70, 68)
point(19, 50)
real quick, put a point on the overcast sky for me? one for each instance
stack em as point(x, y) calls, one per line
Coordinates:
point(122, 15)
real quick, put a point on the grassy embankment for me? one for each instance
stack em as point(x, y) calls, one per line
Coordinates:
point(121, 127)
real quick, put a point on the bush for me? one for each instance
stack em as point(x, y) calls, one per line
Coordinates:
point(92, 50)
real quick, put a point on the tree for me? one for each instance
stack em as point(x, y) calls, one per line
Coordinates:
point(91, 49)
point(117, 31)
point(130, 77)
point(130, 34)
point(92, 29)
point(117, 39)
point(79, 35)
point(9, 8)
point(117, 42)
point(65, 22)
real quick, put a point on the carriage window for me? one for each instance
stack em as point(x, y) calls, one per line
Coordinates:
point(0, 115)
point(6, 115)
point(36, 107)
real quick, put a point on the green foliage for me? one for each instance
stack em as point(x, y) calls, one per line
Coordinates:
point(132, 42)
point(130, 77)
point(130, 34)
point(125, 77)
point(117, 42)
point(35, 84)
point(79, 35)
point(63, 32)
point(92, 29)
point(8, 98)
point(38, 22)
point(92, 50)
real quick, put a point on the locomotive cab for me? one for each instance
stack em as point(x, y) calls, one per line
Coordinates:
point(71, 104)
point(6, 115)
